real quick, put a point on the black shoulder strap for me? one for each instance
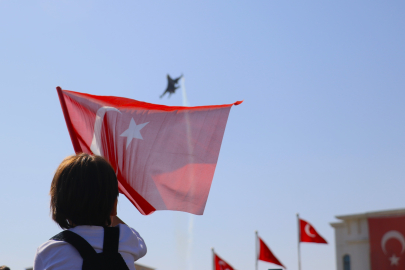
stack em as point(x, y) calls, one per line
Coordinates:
point(111, 239)
point(84, 248)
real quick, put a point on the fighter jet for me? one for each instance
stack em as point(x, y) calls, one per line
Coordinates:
point(172, 85)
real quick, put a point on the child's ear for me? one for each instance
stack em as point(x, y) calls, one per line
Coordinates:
point(114, 210)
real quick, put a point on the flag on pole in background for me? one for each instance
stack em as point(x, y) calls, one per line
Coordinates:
point(220, 264)
point(266, 255)
point(164, 157)
point(309, 234)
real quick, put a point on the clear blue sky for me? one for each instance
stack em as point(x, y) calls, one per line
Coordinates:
point(321, 131)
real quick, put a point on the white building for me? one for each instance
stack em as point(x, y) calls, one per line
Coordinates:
point(352, 239)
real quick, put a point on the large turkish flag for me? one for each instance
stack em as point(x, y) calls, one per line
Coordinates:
point(220, 264)
point(164, 157)
point(387, 242)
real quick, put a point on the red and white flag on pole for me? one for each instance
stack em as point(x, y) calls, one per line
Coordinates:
point(266, 255)
point(309, 234)
point(220, 264)
point(164, 157)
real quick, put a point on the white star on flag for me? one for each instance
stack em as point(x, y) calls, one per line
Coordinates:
point(394, 260)
point(133, 131)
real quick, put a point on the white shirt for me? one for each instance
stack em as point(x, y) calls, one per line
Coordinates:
point(59, 255)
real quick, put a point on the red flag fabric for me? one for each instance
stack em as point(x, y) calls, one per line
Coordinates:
point(387, 242)
point(220, 264)
point(309, 234)
point(266, 255)
point(164, 157)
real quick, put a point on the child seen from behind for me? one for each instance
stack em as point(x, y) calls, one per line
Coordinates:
point(84, 196)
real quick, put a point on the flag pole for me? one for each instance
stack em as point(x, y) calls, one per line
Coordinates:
point(213, 259)
point(257, 254)
point(299, 241)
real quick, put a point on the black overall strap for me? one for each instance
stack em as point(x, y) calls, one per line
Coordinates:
point(84, 248)
point(111, 239)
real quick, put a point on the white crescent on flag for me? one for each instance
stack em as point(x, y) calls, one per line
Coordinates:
point(223, 264)
point(96, 146)
point(307, 231)
point(392, 235)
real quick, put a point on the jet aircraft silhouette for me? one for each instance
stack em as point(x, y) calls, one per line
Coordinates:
point(172, 85)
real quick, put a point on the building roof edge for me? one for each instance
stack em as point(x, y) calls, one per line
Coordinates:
point(373, 214)
point(336, 224)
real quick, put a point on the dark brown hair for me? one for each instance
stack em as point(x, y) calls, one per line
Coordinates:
point(83, 191)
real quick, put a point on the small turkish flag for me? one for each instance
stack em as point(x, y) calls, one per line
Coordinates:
point(220, 264)
point(387, 242)
point(309, 234)
point(164, 157)
point(266, 255)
